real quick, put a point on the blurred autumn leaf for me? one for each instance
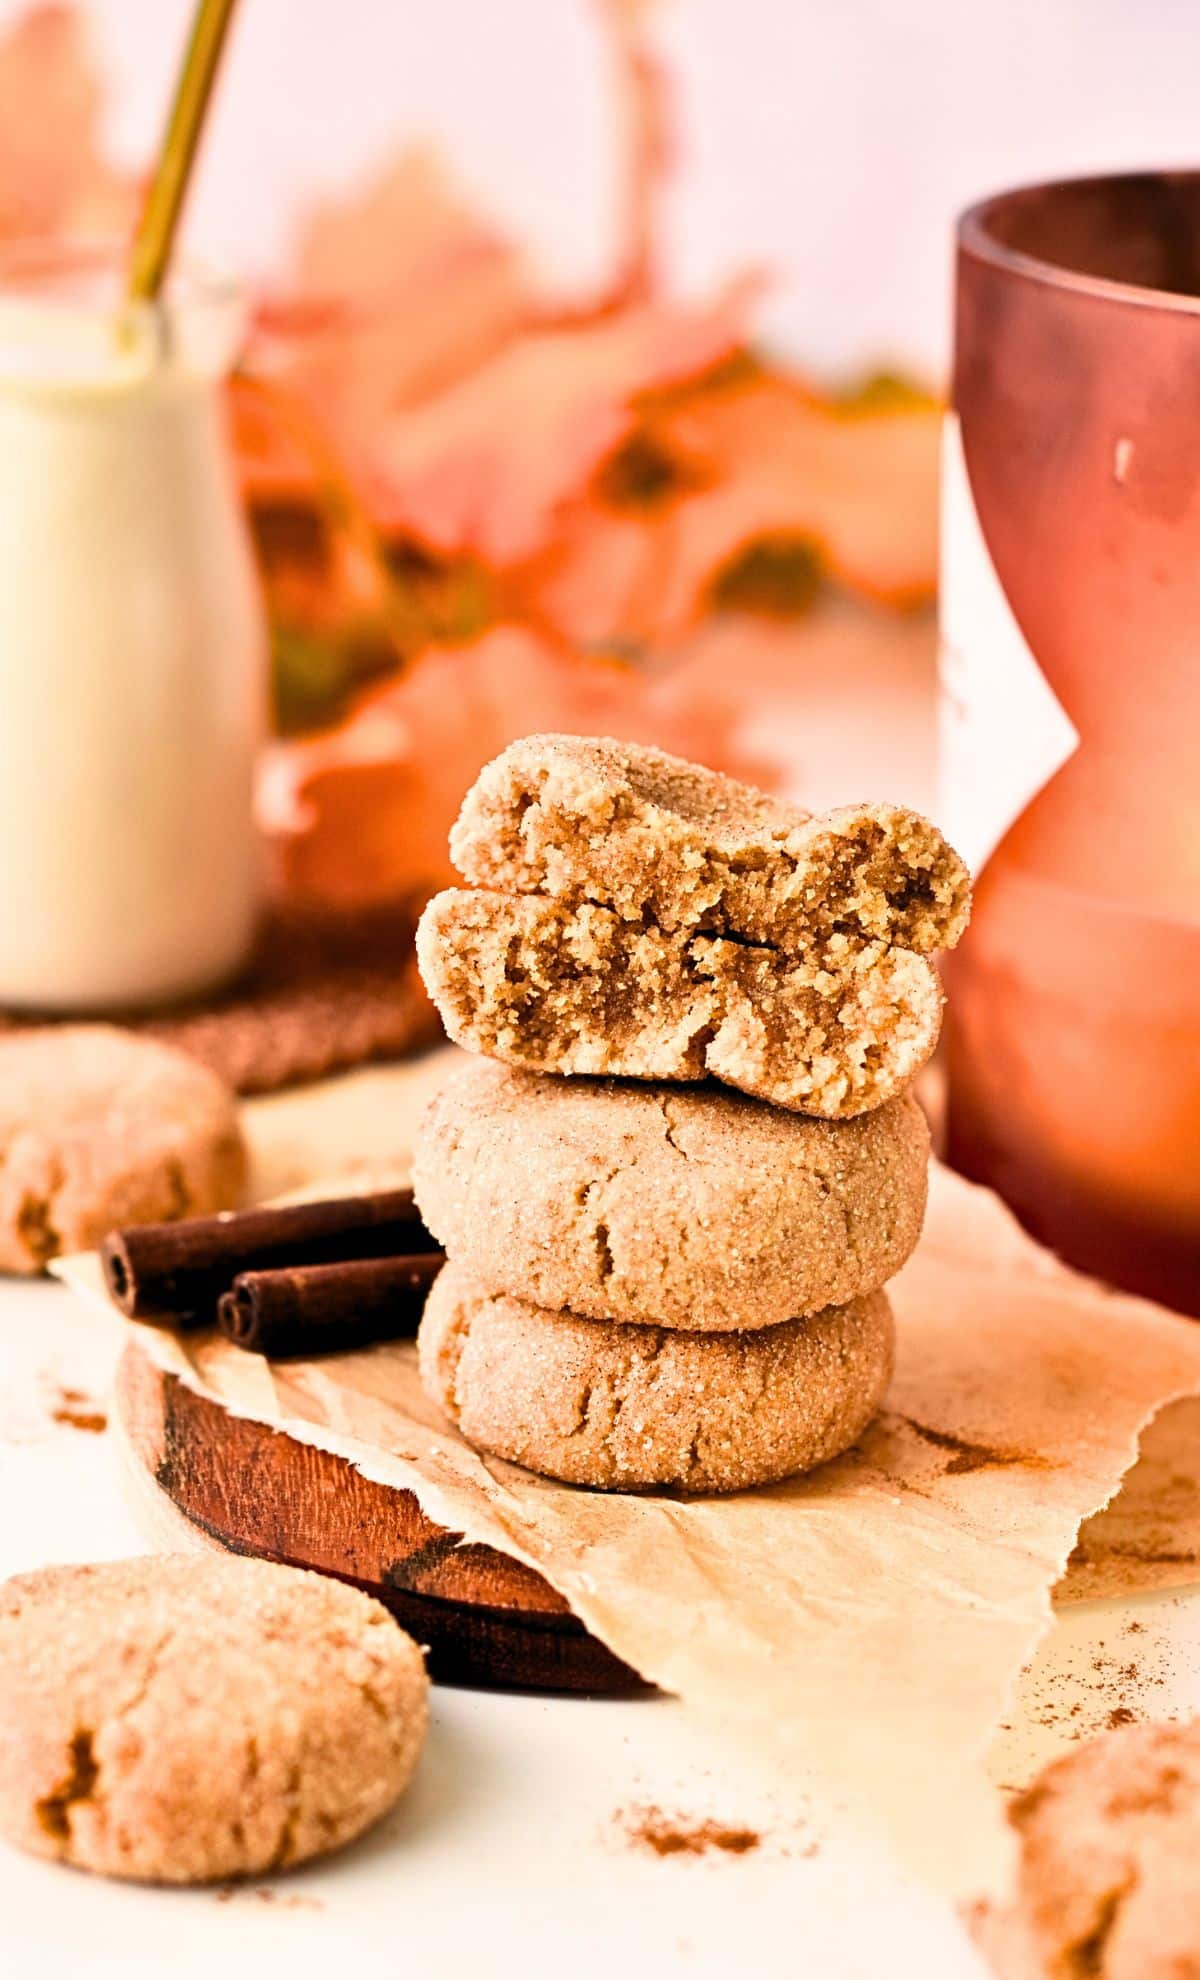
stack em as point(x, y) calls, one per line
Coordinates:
point(364, 810)
point(479, 510)
point(53, 177)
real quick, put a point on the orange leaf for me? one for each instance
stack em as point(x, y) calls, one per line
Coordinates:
point(53, 179)
point(398, 291)
point(864, 488)
point(363, 813)
point(761, 460)
point(485, 466)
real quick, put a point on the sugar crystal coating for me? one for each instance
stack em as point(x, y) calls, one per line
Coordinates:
point(627, 1408)
point(686, 1206)
point(178, 1718)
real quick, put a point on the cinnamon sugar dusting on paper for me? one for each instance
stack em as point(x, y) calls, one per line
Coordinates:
point(1149, 1535)
point(966, 1456)
point(679, 1835)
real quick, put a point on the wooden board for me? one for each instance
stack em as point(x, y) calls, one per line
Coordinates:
point(486, 1619)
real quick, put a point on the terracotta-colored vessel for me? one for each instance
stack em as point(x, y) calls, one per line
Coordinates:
point(1074, 1035)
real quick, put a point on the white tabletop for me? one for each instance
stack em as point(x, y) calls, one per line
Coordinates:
point(513, 1851)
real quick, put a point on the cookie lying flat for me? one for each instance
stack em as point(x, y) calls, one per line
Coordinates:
point(647, 834)
point(1109, 1841)
point(574, 989)
point(627, 1407)
point(681, 1206)
point(99, 1128)
point(178, 1719)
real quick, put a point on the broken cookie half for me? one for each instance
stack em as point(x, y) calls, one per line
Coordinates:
point(553, 988)
point(638, 916)
point(657, 839)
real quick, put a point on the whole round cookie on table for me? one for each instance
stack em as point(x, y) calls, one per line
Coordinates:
point(177, 1719)
point(100, 1128)
point(655, 1280)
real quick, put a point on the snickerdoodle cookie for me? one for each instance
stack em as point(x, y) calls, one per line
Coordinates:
point(178, 1719)
point(685, 1206)
point(100, 1128)
point(638, 915)
point(627, 1407)
point(627, 827)
point(555, 987)
point(1110, 1836)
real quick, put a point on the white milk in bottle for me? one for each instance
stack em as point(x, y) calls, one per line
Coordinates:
point(132, 643)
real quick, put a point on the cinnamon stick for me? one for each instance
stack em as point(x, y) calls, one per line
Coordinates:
point(319, 1309)
point(179, 1271)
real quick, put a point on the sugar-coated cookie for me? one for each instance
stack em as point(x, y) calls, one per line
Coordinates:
point(687, 1207)
point(630, 828)
point(1110, 1836)
point(100, 1128)
point(177, 1719)
point(562, 988)
point(627, 1407)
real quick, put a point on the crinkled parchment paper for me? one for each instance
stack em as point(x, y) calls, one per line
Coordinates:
point(864, 1626)
point(1149, 1537)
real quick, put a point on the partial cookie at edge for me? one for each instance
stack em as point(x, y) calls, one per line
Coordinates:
point(1109, 1839)
point(100, 1128)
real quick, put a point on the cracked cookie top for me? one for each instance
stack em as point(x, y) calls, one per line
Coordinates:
point(684, 1206)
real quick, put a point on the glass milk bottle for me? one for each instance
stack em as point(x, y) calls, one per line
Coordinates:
point(132, 642)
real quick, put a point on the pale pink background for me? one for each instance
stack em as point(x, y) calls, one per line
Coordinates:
point(831, 139)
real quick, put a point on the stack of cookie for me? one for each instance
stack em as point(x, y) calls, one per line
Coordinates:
point(655, 1283)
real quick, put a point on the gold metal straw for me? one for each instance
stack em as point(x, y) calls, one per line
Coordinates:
point(160, 217)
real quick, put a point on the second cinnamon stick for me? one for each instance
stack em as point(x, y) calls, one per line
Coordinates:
point(321, 1309)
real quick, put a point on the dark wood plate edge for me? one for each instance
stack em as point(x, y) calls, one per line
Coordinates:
point(469, 1642)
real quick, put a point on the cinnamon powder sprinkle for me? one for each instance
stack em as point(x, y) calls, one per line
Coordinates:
point(78, 1411)
point(966, 1456)
point(1114, 1689)
point(676, 1835)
